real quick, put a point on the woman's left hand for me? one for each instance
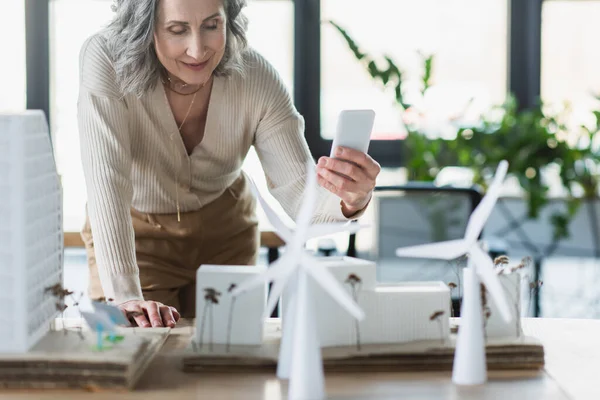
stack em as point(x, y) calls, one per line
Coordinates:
point(351, 176)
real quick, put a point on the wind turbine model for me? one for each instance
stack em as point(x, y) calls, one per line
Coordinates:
point(469, 358)
point(300, 353)
point(100, 322)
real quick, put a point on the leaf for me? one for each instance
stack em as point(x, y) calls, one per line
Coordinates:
point(560, 223)
point(372, 68)
point(349, 41)
point(427, 70)
point(597, 115)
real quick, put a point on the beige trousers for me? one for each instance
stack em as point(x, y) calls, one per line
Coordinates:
point(224, 232)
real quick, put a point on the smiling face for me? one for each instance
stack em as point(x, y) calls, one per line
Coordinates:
point(190, 38)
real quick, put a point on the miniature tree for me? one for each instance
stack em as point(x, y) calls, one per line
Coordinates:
point(452, 286)
point(61, 294)
point(355, 283)
point(525, 263)
point(230, 321)
point(61, 307)
point(501, 261)
point(534, 288)
point(76, 305)
point(436, 316)
point(211, 297)
point(502, 268)
point(457, 266)
point(485, 308)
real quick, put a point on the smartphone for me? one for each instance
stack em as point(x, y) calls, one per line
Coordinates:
point(354, 130)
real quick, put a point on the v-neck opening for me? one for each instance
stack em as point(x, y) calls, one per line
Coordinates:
point(215, 91)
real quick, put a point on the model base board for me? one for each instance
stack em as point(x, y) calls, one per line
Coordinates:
point(524, 353)
point(66, 360)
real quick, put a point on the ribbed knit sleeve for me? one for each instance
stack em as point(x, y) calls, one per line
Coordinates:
point(106, 157)
point(281, 145)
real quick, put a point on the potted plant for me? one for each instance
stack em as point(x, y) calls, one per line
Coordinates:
point(533, 140)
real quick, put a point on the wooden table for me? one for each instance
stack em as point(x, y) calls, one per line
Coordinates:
point(572, 367)
point(268, 239)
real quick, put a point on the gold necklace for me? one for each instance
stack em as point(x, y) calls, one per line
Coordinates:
point(174, 151)
point(178, 87)
point(188, 111)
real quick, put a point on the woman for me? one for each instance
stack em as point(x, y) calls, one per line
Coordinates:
point(171, 99)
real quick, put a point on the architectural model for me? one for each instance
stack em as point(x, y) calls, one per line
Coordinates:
point(495, 325)
point(32, 355)
point(31, 239)
point(469, 360)
point(220, 318)
point(297, 271)
point(335, 304)
point(394, 313)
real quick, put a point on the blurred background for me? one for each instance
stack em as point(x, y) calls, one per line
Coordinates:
point(457, 86)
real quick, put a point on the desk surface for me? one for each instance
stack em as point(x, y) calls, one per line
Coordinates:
point(572, 365)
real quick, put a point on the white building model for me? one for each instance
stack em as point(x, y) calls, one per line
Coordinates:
point(387, 313)
point(219, 317)
point(31, 239)
point(395, 313)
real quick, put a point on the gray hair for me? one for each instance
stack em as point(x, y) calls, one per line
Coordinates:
point(130, 42)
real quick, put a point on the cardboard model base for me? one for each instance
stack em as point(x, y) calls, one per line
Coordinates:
point(524, 353)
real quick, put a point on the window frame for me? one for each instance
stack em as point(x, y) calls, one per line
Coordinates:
point(37, 55)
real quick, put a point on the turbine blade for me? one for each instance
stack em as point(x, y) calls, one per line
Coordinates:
point(448, 250)
point(275, 293)
point(482, 212)
point(282, 229)
point(318, 230)
point(309, 203)
point(275, 271)
point(331, 286)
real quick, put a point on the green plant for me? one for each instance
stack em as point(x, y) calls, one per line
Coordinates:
point(532, 140)
point(433, 153)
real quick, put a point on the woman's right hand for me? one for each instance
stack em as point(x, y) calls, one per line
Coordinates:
point(148, 314)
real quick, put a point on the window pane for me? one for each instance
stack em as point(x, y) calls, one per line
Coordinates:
point(467, 37)
point(67, 33)
point(12, 68)
point(570, 61)
point(270, 32)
